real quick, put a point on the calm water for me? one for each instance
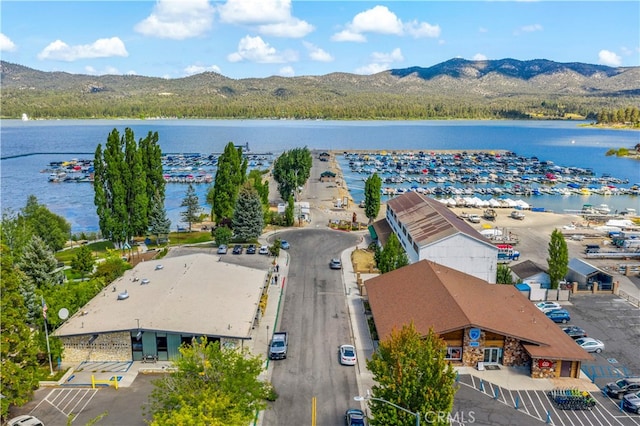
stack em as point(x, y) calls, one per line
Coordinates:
point(564, 143)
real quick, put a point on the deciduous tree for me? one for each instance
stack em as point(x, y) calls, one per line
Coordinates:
point(392, 256)
point(230, 176)
point(291, 170)
point(411, 371)
point(558, 260)
point(54, 230)
point(212, 385)
point(372, 194)
point(83, 261)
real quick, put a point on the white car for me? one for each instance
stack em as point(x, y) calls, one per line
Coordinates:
point(263, 250)
point(25, 420)
point(347, 355)
point(590, 344)
point(548, 306)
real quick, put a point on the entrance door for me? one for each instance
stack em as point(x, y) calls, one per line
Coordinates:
point(565, 369)
point(491, 355)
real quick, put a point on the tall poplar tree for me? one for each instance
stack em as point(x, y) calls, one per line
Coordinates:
point(372, 194)
point(558, 260)
point(151, 156)
point(411, 371)
point(231, 174)
point(136, 183)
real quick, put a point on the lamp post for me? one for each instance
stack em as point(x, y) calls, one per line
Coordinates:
point(373, 398)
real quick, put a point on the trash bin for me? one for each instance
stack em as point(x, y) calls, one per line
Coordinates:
point(480, 366)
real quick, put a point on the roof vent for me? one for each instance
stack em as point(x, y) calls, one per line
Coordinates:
point(124, 295)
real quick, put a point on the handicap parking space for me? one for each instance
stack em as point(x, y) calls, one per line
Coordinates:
point(538, 405)
point(60, 404)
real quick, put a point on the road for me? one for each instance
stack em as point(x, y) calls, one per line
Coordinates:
point(315, 315)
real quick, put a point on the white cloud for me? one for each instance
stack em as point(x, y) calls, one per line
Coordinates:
point(111, 71)
point(254, 49)
point(177, 20)
point(286, 71)
point(254, 12)
point(381, 62)
point(6, 45)
point(316, 53)
point(381, 20)
point(198, 69)
point(529, 28)
point(479, 57)
point(422, 29)
point(372, 69)
point(293, 28)
point(90, 70)
point(101, 48)
point(606, 57)
point(348, 35)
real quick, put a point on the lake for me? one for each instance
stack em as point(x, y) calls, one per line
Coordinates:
point(37, 143)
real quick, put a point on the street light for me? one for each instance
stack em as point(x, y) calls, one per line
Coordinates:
point(365, 398)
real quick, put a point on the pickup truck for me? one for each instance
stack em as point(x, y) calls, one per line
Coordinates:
point(278, 346)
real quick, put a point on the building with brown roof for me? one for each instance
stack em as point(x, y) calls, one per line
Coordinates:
point(480, 322)
point(427, 229)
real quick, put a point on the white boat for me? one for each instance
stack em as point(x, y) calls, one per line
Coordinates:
point(25, 117)
point(603, 209)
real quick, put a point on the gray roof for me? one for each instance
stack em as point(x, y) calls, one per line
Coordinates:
point(582, 267)
point(526, 269)
point(428, 220)
point(193, 294)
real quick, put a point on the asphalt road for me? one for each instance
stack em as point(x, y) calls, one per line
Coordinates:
point(315, 316)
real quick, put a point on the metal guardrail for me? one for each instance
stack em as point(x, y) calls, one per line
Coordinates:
point(631, 299)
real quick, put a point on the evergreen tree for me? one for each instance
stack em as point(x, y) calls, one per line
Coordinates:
point(212, 385)
point(17, 348)
point(411, 371)
point(159, 223)
point(192, 212)
point(39, 264)
point(392, 255)
point(289, 212)
point(230, 176)
point(558, 260)
point(372, 195)
point(83, 261)
point(248, 218)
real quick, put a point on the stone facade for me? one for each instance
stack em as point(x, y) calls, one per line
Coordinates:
point(472, 355)
point(543, 368)
point(107, 347)
point(513, 354)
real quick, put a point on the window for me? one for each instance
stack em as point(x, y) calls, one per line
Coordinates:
point(454, 353)
point(161, 343)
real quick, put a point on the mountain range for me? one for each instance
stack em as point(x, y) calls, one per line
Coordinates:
point(528, 87)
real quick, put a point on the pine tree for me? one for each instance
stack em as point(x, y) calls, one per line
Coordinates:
point(39, 264)
point(248, 215)
point(192, 212)
point(503, 274)
point(159, 223)
point(411, 371)
point(372, 194)
point(17, 347)
point(558, 260)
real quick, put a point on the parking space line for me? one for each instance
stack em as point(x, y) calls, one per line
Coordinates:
point(74, 397)
point(533, 404)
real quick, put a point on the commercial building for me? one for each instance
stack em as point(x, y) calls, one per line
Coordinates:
point(158, 305)
point(481, 323)
point(427, 229)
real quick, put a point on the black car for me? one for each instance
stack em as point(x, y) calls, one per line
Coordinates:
point(237, 249)
point(575, 332)
point(251, 249)
point(622, 387)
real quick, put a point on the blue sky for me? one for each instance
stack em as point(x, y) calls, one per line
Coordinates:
point(261, 38)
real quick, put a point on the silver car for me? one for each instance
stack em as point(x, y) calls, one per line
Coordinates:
point(631, 402)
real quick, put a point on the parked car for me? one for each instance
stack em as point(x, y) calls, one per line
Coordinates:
point(263, 250)
point(575, 332)
point(284, 245)
point(622, 387)
point(473, 218)
point(335, 264)
point(347, 355)
point(251, 249)
point(548, 306)
point(222, 249)
point(590, 344)
point(559, 315)
point(237, 249)
point(631, 402)
point(354, 417)
point(25, 420)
